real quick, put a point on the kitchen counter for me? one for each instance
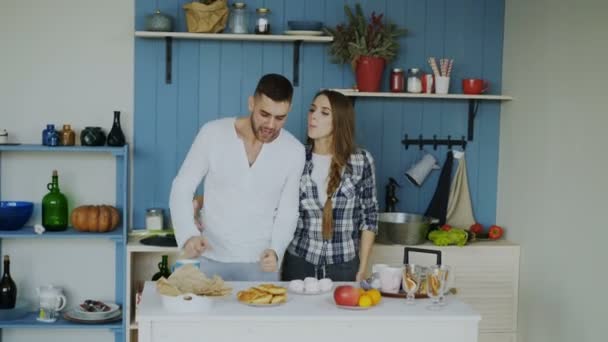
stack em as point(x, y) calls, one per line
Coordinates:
point(306, 318)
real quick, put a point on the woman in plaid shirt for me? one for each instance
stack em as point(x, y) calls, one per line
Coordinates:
point(338, 206)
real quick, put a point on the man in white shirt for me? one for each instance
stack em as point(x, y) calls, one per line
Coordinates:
point(251, 169)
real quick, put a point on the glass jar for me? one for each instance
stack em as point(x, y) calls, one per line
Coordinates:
point(262, 22)
point(238, 18)
point(414, 80)
point(67, 136)
point(397, 80)
point(154, 218)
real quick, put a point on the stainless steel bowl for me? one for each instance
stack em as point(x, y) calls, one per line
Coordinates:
point(403, 228)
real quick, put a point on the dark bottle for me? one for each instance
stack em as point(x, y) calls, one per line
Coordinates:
point(116, 137)
point(391, 199)
point(163, 269)
point(8, 289)
point(54, 207)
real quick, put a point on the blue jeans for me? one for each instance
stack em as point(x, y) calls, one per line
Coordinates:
point(236, 271)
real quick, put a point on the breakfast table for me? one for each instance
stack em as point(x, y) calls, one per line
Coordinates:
point(306, 318)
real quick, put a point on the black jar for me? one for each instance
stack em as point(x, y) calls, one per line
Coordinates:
point(92, 136)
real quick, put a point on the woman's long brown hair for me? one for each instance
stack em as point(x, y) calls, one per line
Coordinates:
point(343, 141)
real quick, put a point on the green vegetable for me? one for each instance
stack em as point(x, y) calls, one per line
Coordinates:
point(455, 236)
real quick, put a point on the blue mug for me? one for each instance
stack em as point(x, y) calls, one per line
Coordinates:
point(182, 262)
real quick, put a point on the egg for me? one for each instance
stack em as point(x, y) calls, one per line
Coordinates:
point(296, 285)
point(311, 285)
point(325, 284)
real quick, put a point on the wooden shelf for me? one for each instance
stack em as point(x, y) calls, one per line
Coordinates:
point(296, 40)
point(354, 93)
point(232, 36)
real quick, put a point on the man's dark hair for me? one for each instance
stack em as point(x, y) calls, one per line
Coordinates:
point(276, 87)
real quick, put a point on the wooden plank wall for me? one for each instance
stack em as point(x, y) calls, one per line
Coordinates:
point(212, 79)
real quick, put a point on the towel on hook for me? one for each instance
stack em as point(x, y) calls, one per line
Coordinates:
point(439, 204)
point(460, 211)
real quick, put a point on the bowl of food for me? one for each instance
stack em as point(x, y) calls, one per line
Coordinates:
point(92, 309)
point(14, 214)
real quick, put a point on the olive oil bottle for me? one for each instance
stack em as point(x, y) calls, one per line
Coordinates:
point(54, 207)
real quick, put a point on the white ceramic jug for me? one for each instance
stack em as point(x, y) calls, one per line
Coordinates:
point(52, 301)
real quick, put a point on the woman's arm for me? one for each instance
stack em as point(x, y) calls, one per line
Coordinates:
point(369, 214)
point(365, 249)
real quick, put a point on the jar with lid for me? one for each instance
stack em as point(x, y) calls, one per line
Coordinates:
point(67, 136)
point(154, 218)
point(262, 22)
point(397, 80)
point(414, 80)
point(238, 18)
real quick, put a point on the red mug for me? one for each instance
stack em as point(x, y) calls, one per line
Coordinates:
point(474, 86)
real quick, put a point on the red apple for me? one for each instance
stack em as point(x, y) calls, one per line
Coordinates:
point(495, 232)
point(446, 227)
point(346, 295)
point(477, 228)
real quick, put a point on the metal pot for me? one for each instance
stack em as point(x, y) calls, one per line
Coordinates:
point(403, 228)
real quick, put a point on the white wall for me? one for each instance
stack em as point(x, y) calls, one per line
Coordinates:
point(553, 168)
point(63, 61)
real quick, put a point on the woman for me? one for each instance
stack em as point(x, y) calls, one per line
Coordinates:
point(338, 206)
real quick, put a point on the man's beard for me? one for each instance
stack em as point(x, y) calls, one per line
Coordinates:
point(257, 132)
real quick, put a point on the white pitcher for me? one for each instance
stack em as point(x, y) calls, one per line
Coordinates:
point(52, 301)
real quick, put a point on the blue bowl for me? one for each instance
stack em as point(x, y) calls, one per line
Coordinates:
point(14, 214)
point(304, 25)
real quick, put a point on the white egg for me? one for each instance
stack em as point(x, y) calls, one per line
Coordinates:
point(311, 286)
point(325, 284)
point(296, 285)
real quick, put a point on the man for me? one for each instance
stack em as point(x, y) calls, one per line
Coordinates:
point(251, 169)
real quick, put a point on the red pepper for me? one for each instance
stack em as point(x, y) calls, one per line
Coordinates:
point(495, 232)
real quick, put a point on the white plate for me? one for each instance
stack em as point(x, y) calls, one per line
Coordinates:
point(98, 314)
point(264, 305)
point(75, 313)
point(304, 33)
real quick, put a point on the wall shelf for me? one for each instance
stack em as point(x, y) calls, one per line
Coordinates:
point(29, 321)
point(472, 113)
point(70, 233)
point(295, 39)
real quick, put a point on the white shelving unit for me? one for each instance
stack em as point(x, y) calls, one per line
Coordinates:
point(297, 41)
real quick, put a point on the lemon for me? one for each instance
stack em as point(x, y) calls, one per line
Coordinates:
point(365, 301)
point(375, 295)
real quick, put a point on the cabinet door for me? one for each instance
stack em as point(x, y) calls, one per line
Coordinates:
point(485, 276)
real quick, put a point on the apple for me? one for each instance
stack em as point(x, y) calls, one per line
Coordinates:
point(346, 295)
point(495, 232)
point(477, 228)
point(446, 227)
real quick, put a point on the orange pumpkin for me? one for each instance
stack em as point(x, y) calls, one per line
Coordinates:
point(95, 218)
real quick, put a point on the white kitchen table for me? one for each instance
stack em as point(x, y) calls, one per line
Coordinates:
point(306, 318)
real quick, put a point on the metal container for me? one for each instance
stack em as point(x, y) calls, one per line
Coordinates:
point(403, 228)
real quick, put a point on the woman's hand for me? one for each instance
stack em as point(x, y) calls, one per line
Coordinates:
point(360, 275)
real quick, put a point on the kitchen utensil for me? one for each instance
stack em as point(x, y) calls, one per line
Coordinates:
point(436, 278)
point(418, 173)
point(52, 301)
point(238, 22)
point(442, 85)
point(14, 214)
point(412, 276)
point(474, 86)
point(390, 278)
point(72, 316)
point(404, 228)
point(304, 25)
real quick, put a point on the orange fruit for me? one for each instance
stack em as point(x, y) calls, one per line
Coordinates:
point(361, 291)
point(375, 295)
point(365, 301)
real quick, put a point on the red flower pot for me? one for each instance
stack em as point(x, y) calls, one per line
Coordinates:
point(369, 73)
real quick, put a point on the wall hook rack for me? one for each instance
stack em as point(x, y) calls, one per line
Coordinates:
point(420, 142)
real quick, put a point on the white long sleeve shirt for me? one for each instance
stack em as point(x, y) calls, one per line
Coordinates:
point(247, 209)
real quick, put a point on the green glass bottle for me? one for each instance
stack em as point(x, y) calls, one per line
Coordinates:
point(54, 207)
point(163, 269)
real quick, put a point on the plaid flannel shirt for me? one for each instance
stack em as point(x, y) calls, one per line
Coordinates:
point(355, 208)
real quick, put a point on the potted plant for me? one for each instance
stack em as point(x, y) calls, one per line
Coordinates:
point(366, 44)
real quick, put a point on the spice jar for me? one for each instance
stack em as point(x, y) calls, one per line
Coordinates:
point(154, 218)
point(397, 80)
point(67, 136)
point(414, 81)
point(262, 22)
point(238, 18)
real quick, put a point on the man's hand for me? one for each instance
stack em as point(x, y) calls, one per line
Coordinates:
point(268, 260)
point(197, 204)
point(195, 246)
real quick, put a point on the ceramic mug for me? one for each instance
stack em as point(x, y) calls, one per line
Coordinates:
point(390, 279)
point(474, 86)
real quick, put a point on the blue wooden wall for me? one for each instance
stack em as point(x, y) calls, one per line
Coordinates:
point(212, 79)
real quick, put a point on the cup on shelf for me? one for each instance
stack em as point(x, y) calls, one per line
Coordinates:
point(442, 85)
point(474, 86)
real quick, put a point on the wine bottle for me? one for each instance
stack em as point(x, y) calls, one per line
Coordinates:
point(8, 289)
point(116, 137)
point(54, 207)
point(163, 269)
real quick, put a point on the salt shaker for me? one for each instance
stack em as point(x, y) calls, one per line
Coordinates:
point(414, 81)
point(262, 23)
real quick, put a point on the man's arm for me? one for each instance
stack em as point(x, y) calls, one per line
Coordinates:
point(285, 222)
point(193, 170)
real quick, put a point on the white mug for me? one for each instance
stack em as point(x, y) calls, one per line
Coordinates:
point(390, 279)
point(418, 173)
point(442, 85)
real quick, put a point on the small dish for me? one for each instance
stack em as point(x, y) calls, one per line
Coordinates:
point(304, 25)
point(72, 316)
point(96, 315)
point(303, 33)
